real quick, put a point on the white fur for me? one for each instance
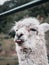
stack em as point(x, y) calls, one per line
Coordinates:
point(34, 42)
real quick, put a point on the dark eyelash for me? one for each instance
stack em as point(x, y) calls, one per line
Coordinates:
point(33, 29)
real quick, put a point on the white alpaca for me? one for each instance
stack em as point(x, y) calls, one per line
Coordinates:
point(30, 41)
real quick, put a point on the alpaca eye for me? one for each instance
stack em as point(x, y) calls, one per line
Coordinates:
point(33, 29)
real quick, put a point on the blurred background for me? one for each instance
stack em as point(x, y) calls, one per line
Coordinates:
point(8, 55)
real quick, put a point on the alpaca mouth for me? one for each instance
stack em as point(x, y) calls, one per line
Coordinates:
point(19, 41)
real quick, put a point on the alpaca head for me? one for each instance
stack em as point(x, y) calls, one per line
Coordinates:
point(27, 31)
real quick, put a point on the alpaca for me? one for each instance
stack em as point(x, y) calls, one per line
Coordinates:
point(30, 41)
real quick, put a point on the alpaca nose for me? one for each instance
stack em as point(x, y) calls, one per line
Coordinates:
point(19, 41)
point(19, 35)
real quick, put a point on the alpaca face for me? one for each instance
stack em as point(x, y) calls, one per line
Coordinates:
point(27, 32)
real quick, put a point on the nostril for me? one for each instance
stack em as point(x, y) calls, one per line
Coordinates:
point(20, 35)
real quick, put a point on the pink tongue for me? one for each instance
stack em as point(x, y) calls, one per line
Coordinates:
point(18, 41)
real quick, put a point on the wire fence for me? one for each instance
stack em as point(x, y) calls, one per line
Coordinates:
point(22, 7)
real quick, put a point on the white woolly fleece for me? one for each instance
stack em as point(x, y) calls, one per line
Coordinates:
point(33, 49)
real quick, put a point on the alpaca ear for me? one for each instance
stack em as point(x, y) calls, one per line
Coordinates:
point(13, 29)
point(12, 33)
point(44, 27)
